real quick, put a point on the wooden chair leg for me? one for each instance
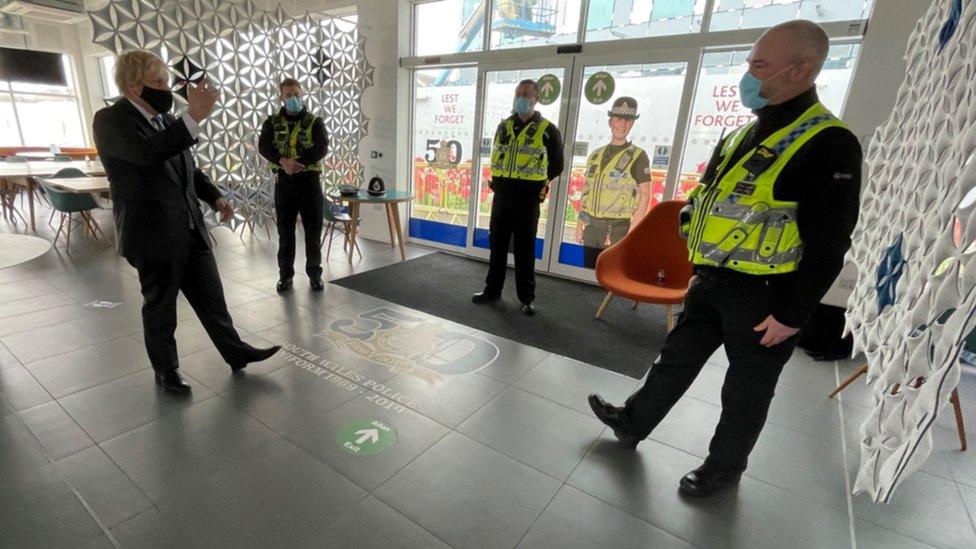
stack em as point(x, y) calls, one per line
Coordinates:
point(669, 313)
point(860, 372)
point(57, 235)
point(604, 305)
point(634, 306)
point(957, 408)
point(68, 244)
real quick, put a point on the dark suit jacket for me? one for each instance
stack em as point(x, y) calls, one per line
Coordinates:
point(155, 184)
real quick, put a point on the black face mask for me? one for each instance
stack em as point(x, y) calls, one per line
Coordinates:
point(160, 100)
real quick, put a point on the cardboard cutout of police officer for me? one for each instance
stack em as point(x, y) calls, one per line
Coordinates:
point(767, 230)
point(527, 155)
point(617, 186)
point(294, 141)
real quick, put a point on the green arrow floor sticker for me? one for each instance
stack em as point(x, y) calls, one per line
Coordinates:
point(366, 437)
point(549, 88)
point(599, 88)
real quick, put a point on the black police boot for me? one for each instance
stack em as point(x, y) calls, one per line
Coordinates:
point(528, 309)
point(172, 381)
point(707, 480)
point(284, 284)
point(614, 418)
point(316, 284)
point(484, 297)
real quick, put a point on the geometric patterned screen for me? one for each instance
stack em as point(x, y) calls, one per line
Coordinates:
point(246, 51)
point(915, 248)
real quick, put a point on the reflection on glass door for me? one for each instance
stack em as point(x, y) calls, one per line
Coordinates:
point(499, 94)
point(717, 107)
point(622, 150)
point(443, 115)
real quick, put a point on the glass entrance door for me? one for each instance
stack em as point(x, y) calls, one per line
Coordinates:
point(618, 157)
point(498, 84)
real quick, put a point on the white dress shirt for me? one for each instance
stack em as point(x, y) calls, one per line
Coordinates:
point(191, 124)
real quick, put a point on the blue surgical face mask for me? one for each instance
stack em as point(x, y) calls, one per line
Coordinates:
point(522, 106)
point(293, 104)
point(750, 86)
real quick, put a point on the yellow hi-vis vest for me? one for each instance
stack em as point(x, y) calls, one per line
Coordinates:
point(736, 222)
point(287, 142)
point(611, 192)
point(521, 156)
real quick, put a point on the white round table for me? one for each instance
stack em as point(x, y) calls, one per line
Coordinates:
point(20, 248)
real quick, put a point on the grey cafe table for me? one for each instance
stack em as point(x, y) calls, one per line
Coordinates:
point(391, 200)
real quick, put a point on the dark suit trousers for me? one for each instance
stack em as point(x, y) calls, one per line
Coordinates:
point(196, 276)
point(721, 307)
point(514, 216)
point(299, 195)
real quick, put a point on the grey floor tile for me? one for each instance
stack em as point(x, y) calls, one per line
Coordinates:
point(307, 334)
point(448, 400)
point(926, 507)
point(21, 451)
point(569, 382)
point(575, 519)
point(67, 336)
point(20, 389)
point(7, 359)
point(38, 509)
point(111, 495)
point(13, 311)
point(151, 530)
point(415, 434)
point(16, 274)
point(100, 285)
point(468, 494)
point(209, 368)
point(91, 366)
point(869, 536)
point(174, 453)
point(276, 497)
point(536, 431)
point(291, 397)
point(100, 542)
point(371, 524)
point(119, 406)
point(39, 319)
point(689, 426)
point(191, 337)
point(25, 289)
point(269, 312)
point(4, 407)
point(514, 359)
point(55, 430)
point(754, 514)
point(236, 293)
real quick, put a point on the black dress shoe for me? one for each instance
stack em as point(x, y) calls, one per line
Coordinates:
point(172, 381)
point(257, 355)
point(317, 284)
point(528, 309)
point(484, 297)
point(284, 285)
point(706, 480)
point(613, 417)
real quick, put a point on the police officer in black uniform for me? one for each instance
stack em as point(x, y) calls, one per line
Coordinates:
point(294, 141)
point(526, 156)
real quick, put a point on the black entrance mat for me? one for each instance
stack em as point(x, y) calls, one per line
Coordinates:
point(625, 341)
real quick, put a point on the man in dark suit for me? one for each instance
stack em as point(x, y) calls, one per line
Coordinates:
point(156, 188)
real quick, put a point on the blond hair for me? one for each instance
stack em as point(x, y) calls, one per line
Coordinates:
point(132, 67)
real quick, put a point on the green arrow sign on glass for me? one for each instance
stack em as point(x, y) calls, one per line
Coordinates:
point(599, 88)
point(366, 437)
point(549, 88)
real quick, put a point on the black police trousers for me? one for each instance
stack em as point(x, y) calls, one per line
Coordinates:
point(721, 307)
point(514, 216)
point(299, 195)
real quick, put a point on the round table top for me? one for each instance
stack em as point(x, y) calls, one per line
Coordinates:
point(362, 196)
point(20, 248)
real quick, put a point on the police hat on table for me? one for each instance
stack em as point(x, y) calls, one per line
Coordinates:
point(624, 107)
point(376, 186)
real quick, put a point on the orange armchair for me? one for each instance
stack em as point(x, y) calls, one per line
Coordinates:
point(630, 267)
